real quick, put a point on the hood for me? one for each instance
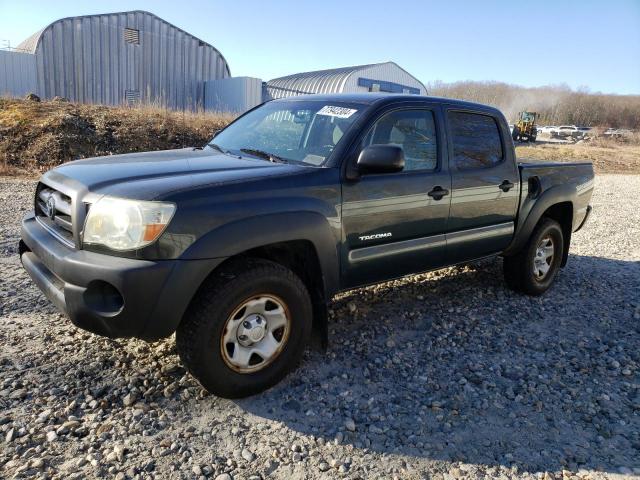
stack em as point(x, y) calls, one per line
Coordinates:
point(149, 175)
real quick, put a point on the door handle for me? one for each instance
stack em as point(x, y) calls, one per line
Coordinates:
point(438, 192)
point(506, 186)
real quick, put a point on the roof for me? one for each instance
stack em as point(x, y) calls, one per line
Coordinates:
point(319, 81)
point(30, 44)
point(369, 98)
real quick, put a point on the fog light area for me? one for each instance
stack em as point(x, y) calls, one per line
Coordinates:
point(103, 298)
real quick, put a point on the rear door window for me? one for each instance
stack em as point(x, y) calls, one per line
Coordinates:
point(476, 140)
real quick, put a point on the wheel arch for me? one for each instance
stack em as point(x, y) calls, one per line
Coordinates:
point(307, 245)
point(555, 203)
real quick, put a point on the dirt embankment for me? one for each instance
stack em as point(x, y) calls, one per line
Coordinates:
point(35, 136)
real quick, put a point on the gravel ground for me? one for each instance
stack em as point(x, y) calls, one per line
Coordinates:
point(444, 376)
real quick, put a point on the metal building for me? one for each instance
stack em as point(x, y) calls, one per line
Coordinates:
point(125, 57)
point(376, 77)
point(131, 57)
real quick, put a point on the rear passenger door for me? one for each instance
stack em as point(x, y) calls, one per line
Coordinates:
point(484, 181)
point(394, 223)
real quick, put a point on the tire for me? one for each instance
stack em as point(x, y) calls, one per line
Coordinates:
point(533, 138)
point(519, 269)
point(515, 134)
point(214, 324)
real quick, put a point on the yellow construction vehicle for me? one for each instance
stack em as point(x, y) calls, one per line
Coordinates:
point(525, 128)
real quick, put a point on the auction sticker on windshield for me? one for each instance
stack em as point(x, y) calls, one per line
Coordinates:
point(333, 111)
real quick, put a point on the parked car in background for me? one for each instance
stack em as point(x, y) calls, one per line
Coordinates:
point(546, 130)
point(566, 132)
point(617, 132)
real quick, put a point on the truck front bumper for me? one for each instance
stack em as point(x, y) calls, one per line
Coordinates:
point(108, 295)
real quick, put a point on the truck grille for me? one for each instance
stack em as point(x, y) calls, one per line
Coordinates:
point(54, 211)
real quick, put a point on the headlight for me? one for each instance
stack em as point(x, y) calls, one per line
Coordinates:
point(122, 224)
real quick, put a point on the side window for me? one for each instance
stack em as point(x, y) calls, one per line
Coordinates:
point(476, 140)
point(414, 131)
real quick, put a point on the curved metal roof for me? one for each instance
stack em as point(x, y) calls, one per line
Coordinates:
point(30, 44)
point(320, 81)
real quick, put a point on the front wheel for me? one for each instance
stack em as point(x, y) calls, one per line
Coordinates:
point(246, 328)
point(534, 268)
point(515, 134)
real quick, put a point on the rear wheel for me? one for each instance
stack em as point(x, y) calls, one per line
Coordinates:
point(534, 268)
point(246, 328)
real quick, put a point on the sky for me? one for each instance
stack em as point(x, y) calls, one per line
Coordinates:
point(585, 44)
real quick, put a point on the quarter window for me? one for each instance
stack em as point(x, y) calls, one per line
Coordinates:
point(476, 140)
point(414, 131)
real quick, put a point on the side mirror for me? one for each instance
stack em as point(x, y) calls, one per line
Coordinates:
point(381, 159)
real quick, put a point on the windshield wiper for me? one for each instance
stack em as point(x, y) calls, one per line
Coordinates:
point(217, 147)
point(262, 154)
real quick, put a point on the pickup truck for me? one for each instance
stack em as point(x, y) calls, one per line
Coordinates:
point(238, 246)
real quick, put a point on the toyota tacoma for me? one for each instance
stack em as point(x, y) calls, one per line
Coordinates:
point(238, 246)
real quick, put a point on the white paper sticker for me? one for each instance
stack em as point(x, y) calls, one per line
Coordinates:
point(339, 112)
point(313, 159)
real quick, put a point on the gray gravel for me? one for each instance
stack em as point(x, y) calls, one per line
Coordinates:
point(442, 376)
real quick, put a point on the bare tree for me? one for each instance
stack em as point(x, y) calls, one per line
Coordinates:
point(557, 104)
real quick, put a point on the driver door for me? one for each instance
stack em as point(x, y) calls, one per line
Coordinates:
point(393, 223)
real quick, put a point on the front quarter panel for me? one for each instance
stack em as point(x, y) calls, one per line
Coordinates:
point(223, 221)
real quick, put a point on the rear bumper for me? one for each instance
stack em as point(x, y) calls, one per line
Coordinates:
point(108, 295)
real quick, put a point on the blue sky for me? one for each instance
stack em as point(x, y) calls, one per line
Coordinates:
point(587, 43)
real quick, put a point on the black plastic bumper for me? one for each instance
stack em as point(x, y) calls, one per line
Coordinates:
point(108, 295)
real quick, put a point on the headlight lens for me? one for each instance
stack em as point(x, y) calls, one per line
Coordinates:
point(122, 224)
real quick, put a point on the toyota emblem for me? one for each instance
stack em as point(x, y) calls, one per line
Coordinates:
point(51, 208)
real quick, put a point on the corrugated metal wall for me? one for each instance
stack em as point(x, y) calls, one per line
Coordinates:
point(17, 74)
point(87, 59)
point(235, 95)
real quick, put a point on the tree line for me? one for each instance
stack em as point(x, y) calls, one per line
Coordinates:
point(557, 105)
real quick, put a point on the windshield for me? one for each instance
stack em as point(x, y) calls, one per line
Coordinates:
point(294, 131)
point(527, 117)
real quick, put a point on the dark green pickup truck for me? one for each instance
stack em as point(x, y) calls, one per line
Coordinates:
point(239, 246)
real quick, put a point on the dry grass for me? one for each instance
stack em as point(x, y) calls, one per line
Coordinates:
point(607, 155)
point(35, 136)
